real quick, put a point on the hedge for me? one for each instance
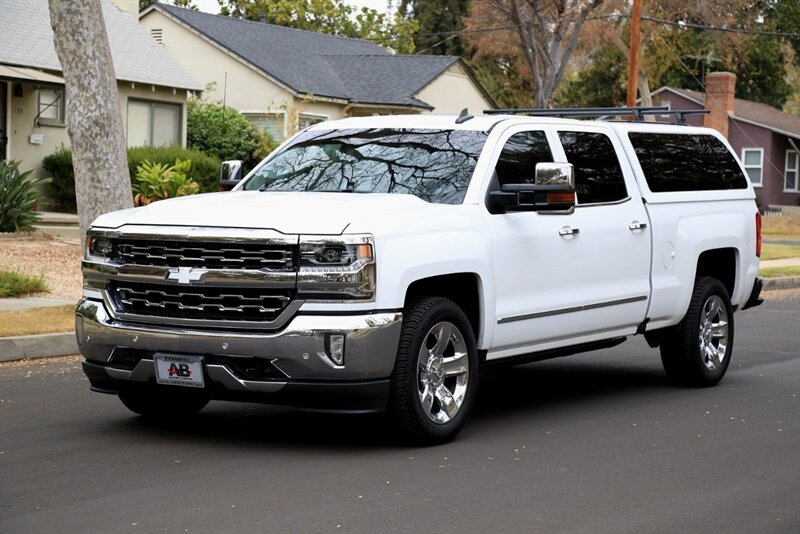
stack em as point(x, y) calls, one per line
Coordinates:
point(204, 169)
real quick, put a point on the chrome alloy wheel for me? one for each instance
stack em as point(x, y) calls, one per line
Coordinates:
point(713, 332)
point(442, 372)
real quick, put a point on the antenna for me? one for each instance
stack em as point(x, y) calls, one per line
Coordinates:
point(464, 116)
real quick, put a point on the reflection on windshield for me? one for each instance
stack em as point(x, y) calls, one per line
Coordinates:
point(434, 165)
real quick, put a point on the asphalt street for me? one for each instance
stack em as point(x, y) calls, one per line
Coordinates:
point(598, 442)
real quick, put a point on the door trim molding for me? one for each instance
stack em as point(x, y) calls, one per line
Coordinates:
point(572, 309)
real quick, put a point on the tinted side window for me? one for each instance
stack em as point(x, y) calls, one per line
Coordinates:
point(521, 153)
point(677, 162)
point(598, 176)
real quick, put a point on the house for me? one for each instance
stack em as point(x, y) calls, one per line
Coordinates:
point(285, 79)
point(153, 87)
point(766, 139)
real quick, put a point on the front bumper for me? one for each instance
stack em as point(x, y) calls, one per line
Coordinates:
point(293, 363)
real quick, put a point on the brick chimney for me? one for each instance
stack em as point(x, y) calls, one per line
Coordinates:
point(719, 99)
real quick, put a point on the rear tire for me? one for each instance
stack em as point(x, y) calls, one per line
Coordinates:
point(697, 351)
point(156, 404)
point(435, 376)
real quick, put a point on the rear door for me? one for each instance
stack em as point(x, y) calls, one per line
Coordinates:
point(614, 231)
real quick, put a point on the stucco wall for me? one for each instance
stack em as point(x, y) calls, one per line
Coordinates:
point(453, 91)
point(23, 110)
point(21, 113)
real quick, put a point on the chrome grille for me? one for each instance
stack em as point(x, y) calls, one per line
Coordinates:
point(200, 302)
point(207, 255)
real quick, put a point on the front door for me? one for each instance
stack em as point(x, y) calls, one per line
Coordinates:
point(537, 265)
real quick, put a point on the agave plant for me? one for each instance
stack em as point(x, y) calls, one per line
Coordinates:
point(17, 197)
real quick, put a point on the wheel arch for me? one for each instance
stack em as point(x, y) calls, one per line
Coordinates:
point(719, 263)
point(464, 288)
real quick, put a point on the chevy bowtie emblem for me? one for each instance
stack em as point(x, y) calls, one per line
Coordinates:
point(186, 275)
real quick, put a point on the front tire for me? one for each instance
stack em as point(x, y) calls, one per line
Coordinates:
point(435, 377)
point(156, 404)
point(697, 351)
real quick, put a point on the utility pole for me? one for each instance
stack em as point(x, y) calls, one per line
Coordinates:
point(633, 61)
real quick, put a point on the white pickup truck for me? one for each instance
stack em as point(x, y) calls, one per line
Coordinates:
point(379, 263)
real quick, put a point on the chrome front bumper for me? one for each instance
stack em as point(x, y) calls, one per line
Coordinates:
point(297, 351)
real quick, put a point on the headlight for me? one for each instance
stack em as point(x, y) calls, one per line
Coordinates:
point(98, 248)
point(336, 268)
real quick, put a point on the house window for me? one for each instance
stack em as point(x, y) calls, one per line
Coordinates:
point(304, 120)
point(753, 159)
point(792, 171)
point(273, 124)
point(153, 123)
point(51, 107)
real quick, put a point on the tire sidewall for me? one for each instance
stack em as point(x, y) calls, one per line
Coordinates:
point(441, 309)
point(691, 328)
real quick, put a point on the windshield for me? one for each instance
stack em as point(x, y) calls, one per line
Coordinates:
point(434, 165)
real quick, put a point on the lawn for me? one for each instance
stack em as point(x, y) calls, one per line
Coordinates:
point(774, 272)
point(48, 320)
point(786, 226)
point(771, 251)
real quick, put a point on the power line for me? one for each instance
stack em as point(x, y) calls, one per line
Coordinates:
point(720, 28)
point(679, 24)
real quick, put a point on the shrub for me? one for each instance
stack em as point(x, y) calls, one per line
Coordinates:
point(17, 197)
point(157, 181)
point(61, 188)
point(225, 133)
point(16, 284)
point(204, 169)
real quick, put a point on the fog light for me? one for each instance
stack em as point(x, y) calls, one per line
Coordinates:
point(336, 348)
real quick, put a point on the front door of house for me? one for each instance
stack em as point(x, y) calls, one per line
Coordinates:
point(3, 119)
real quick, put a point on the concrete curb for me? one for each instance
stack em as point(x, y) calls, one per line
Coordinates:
point(782, 282)
point(37, 346)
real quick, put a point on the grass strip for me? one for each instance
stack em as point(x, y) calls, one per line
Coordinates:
point(49, 320)
point(17, 284)
point(788, 225)
point(770, 251)
point(775, 272)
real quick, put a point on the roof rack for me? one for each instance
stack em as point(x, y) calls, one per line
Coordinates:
point(637, 113)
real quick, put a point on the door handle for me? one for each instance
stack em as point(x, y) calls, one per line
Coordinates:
point(568, 231)
point(637, 226)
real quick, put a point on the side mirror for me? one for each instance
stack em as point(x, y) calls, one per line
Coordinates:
point(230, 174)
point(553, 191)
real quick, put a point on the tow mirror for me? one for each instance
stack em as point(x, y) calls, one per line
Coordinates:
point(553, 191)
point(230, 174)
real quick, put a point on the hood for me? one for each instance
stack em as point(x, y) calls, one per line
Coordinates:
point(288, 213)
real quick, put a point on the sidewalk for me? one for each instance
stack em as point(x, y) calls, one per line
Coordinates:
point(45, 345)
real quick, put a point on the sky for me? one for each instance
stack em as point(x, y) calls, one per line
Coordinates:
point(212, 6)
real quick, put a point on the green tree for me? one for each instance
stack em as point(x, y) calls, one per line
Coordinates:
point(438, 23)
point(603, 83)
point(333, 17)
point(225, 133)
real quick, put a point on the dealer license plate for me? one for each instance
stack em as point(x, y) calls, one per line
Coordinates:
point(179, 370)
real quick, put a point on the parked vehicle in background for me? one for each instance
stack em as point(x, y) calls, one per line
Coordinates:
point(378, 263)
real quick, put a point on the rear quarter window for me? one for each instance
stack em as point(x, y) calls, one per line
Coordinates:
point(681, 162)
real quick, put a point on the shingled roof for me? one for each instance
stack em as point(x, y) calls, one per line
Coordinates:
point(354, 70)
point(26, 40)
